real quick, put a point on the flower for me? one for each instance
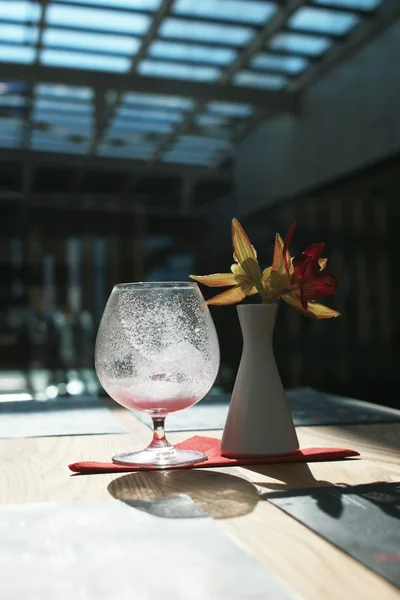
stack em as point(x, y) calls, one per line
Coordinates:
point(296, 280)
point(245, 278)
point(300, 279)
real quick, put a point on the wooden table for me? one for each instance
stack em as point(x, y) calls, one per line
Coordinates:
point(35, 470)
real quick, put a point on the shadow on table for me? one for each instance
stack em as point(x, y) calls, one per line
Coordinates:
point(331, 500)
point(290, 476)
point(220, 495)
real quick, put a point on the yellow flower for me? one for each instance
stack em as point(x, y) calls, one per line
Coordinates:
point(245, 278)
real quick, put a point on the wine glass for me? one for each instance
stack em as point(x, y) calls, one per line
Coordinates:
point(157, 351)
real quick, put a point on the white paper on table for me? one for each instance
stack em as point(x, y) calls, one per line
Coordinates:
point(167, 548)
point(80, 415)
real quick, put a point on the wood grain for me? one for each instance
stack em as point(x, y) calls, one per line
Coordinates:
point(35, 470)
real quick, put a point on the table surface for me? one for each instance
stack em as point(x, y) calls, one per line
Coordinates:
point(35, 470)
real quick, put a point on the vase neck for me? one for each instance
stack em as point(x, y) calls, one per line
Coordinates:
point(257, 320)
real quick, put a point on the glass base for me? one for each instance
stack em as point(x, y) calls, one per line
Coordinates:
point(159, 458)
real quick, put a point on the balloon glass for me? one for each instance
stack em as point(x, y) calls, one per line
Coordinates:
point(157, 351)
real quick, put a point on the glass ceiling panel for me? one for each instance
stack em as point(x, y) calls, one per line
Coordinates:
point(187, 159)
point(149, 126)
point(207, 120)
point(142, 113)
point(17, 54)
point(11, 100)
point(323, 21)
point(7, 124)
point(228, 109)
point(204, 143)
point(356, 4)
point(20, 11)
point(292, 65)
point(97, 62)
point(252, 12)
point(178, 71)
point(303, 44)
point(206, 32)
point(87, 18)
point(62, 118)
point(68, 107)
point(135, 4)
point(64, 92)
point(142, 152)
point(91, 41)
point(19, 34)
point(192, 53)
point(158, 100)
point(267, 82)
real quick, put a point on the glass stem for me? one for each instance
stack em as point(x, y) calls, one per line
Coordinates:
point(159, 440)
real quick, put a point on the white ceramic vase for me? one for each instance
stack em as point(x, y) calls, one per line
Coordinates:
point(259, 421)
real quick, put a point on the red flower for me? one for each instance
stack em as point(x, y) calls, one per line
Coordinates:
point(310, 278)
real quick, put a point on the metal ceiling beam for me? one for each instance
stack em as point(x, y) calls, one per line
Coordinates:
point(385, 16)
point(206, 92)
point(261, 39)
point(37, 159)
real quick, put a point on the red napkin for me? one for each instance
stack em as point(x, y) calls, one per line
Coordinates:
point(212, 447)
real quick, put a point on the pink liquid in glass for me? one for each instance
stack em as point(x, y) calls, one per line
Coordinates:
point(149, 404)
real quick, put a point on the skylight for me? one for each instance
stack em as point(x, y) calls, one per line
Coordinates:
point(150, 126)
point(231, 109)
point(143, 113)
point(323, 21)
point(64, 92)
point(351, 4)
point(79, 108)
point(300, 43)
point(178, 71)
point(19, 34)
point(17, 54)
point(189, 159)
point(128, 4)
point(91, 41)
point(192, 53)
point(268, 82)
point(158, 100)
point(206, 32)
point(292, 65)
point(20, 11)
point(253, 12)
point(98, 62)
point(91, 18)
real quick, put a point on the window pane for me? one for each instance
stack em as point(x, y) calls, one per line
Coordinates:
point(141, 152)
point(179, 71)
point(297, 42)
point(63, 92)
point(192, 53)
point(288, 64)
point(324, 21)
point(268, 82)
point(17, 54)
point(19, 34)
point(91, 41)
point(20, 11)
point(230, 109)
point(356, 4)
point(256, 13)
point(206, 32)
point(162, 115)
point(136, 4)
point(12, 100)
point(158, 100)
point(88, 18)
point(72, 60)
